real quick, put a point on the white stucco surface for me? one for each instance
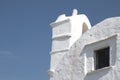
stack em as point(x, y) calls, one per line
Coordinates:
point(78, 63)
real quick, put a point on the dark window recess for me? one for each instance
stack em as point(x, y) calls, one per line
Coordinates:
point(102, 58)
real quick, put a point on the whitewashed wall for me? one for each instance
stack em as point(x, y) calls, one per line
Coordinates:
point(77, 63)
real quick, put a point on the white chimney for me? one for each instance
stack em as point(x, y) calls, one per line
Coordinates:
point(66, 30)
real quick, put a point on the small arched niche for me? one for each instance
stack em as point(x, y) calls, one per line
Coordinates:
point(84, 28)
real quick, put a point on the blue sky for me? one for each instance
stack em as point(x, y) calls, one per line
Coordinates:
point(25, 34)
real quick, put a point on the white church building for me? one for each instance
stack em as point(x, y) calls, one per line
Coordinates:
point(82, 52)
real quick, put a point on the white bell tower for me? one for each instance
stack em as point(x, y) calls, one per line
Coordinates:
point(66, 30)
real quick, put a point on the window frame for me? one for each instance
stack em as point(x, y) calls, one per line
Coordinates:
point(109, 41)
point(96, 59)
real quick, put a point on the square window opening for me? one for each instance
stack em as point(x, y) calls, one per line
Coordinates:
point(102, 58)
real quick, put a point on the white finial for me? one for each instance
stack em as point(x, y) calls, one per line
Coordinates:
point(75, 12)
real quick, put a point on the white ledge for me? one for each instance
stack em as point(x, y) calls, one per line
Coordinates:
point(66, 35)
point(99, 70)
point(55, 24)
point(103, 39)
point(54, 52)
